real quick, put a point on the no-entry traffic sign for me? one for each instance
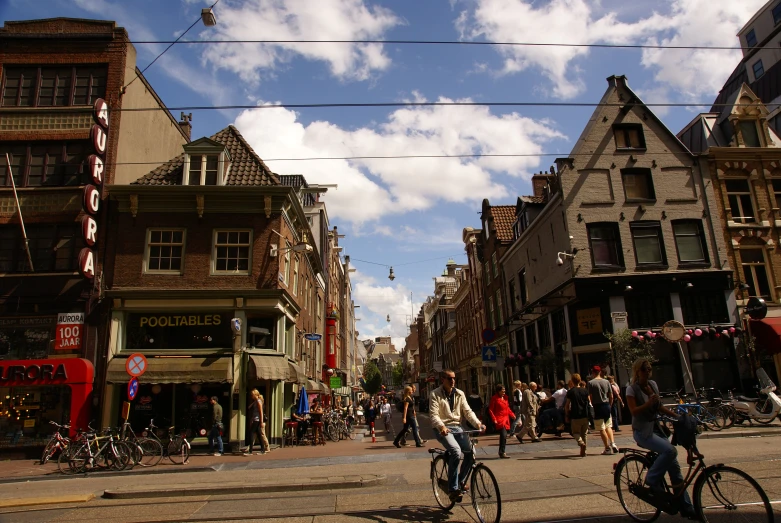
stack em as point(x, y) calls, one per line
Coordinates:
point(132, 388)
point(135, 365)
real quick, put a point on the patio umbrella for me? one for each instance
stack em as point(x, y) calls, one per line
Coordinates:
point(303, 403)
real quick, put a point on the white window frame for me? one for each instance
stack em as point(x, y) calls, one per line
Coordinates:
point(286, 270)
point(214, 271)
point(147, 245)
point(751, 265)
point(222, 169)
point(742, 219)
point(296, 266)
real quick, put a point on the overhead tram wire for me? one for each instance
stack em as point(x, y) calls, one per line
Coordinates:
point(442, 42)
point(405, 263)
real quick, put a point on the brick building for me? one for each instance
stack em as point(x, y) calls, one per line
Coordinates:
point(741, 153)
point(64, 84)
point(210, 236)
point(625, 234)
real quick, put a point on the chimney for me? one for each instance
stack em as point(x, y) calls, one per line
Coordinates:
point(539, 181)
point(185, 123)
point(451, 267)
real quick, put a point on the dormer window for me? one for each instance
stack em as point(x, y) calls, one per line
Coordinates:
point(748, 129)
point(203, 169)
point(206, 162)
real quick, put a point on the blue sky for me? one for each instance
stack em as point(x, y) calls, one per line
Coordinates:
point(400, 211)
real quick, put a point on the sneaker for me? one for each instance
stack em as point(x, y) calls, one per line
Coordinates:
point(245, 453)
point(614, 448)
point(607, 452)
point(216, 454)
point(259, 453)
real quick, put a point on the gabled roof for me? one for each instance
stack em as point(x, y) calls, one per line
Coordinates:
point(504, 218)
point(246, 166)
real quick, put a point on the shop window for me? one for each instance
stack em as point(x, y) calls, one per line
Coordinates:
point(499, 314)
point(704, 307)
point(178, 331)
point(649, 246)
point(648, 311)
point(26, 338)
point(260, 332)
point(55, 86)
point(690, 241)
point(638, 184)
point(605, 243)
point(629, 136)
point(25, 413)
point(776, 182)
point(667, 367)
point(45, 164)
point(543, 327)
point(53, 248)
point(231, 253)
point(713, 363)
point(740, 202)
point(513, 296)
point(755, 272)
point(165, 250)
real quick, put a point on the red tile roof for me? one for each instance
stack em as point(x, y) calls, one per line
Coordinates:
point(504, 218)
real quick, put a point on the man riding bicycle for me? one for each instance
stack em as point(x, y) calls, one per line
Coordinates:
point(447, 409)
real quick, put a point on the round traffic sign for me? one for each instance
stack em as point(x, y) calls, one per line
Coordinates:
point(489, 335)
point(135, 365)
point(132, 388)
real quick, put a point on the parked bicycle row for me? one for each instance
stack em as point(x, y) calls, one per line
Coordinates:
point(114, 449)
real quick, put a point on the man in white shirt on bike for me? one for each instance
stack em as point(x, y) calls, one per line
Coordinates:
point(447, 409)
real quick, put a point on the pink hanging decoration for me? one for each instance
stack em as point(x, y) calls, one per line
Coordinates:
point(634, 334)
point(732, 330)
point(698, 332)
point(529, 354)
point(687, 338)
point(725, 332)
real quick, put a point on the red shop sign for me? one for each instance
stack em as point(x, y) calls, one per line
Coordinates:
point(70, 331)
point(66, 371)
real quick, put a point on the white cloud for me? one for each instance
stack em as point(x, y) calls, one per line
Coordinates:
point(371, 188)
point(378, 301)
point(685, 22)
point(300, 20)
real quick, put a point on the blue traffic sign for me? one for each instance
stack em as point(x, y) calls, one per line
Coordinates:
point(313, 336)
point(489, 353)
point(132, 388)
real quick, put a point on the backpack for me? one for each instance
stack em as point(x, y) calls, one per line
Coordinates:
point(400, 406)
point(685, 430)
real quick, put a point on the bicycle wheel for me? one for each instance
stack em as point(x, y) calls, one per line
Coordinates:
point(332, 431)
point(178, 451)
point(712, 418)
point(631, 471)
point(63, 462)
point(48, 451)
point(726, 494)
point(78, 459)
point(350, 431)
point(729, 414)
point(118, 456)
point(486, 499)
point(152, 452)
point(439, 482)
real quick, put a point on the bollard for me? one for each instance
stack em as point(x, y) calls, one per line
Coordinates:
point(374, 439)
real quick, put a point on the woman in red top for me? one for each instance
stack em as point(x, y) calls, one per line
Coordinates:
point(501, 414)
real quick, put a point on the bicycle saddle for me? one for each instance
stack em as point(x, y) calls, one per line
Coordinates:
point(746, 398)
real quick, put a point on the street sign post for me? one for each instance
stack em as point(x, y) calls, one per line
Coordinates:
point(135, 365)
point(489, 356)
point(132, 388)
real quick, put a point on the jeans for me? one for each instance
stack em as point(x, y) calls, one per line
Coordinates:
point(666, 461)
point(412, 423)
point(215, 433)
point(517, 421)
point(458, 447)
point(502, 440)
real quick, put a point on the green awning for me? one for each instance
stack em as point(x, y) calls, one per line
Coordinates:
point(176, 370)
point(269, 366)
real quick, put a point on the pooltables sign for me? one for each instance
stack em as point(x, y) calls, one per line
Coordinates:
point(69, 331)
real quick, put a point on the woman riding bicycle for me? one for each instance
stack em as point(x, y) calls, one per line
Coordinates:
point(642, 398)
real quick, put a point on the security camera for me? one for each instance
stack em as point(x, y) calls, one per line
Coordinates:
point(559, 261)
point(560, 257)
point(571, 237)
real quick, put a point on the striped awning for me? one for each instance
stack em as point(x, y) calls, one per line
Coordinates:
point(269, 367)
point(296, 374)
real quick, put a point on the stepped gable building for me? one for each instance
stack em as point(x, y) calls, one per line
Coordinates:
point(740, 152)
point(66, 86)
point(205, 239)
point(623, 234)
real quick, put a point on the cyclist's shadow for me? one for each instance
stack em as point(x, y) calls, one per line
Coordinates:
point(407, 513)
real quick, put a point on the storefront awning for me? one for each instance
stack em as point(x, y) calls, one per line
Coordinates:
point(270, 367)
point(296, 374)
point(768, 334)
point(176, 370)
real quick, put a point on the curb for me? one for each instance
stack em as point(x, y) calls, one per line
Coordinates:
point(53, 476)
point(740, 433)
point(345, 482)
point(51, 500)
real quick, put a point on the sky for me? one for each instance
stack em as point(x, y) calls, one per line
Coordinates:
point(409, 213)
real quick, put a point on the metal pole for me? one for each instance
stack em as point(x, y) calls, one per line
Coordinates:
point(688, 370)
point(19, 211)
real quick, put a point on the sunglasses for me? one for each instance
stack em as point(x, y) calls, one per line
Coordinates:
point(450, 378)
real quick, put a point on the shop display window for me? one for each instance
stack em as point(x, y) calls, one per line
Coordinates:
point(25, 343)
point(178, 330)
point(25, 413)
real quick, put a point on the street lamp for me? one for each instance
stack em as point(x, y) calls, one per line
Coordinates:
point(208, 18)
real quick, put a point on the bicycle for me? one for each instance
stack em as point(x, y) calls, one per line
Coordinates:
point(57, 442)
point(113, 454)
point(713, 418)
point(483, 487)
point(177, 449)
point(147, 452)
point(711, 504)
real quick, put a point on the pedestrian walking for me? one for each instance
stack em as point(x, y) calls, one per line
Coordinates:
point(215, 433)
point(257, 424)
point(500, 412)
point(601, 394)
point(529, 409)
point(576, 412)
point(517, 401)
point(618, 403)
point(385, 412)
point(409, 419)
point(371, 413)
